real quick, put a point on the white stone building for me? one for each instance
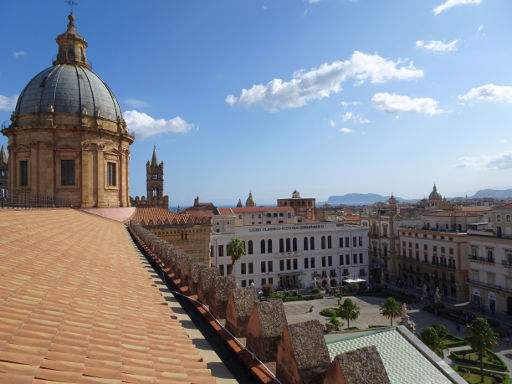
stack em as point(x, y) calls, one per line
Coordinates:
point(291, 255)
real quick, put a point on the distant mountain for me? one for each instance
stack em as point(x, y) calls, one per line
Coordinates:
point(361, 199)
point(493, 193)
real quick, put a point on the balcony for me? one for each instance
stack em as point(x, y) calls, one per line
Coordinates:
point(484, 260)
point(489, 286)
point(507, 263)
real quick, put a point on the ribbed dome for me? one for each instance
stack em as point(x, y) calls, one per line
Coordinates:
point(67, 88)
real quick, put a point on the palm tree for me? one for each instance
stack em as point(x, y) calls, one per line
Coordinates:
point(235, 249)
point(480, 336)
point(390, 308)
point(348, 311)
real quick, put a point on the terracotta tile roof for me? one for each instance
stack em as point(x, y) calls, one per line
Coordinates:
point(161, 216)
point(232, 211)
point(476, 208)
point(76, 305)
point(118, 214)
point(452, 214)
point(506, 206)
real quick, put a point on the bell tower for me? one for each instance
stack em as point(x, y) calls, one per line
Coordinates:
point(154, 178)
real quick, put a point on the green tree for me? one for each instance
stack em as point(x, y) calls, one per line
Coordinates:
point(348, 311)
point(235, 249)
point(480, 336)
point(334, 321)
point(432, 340)
point(390, 309)
point(441, 330)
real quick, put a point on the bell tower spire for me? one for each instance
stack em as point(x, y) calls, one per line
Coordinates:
point(72, 46)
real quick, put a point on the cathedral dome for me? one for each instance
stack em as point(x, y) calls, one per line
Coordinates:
point(68, 88)
point(434, 195)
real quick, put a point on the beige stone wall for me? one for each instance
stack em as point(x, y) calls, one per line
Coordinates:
point(44, 139)
point(194, 239)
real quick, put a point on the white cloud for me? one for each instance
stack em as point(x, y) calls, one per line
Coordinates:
point(19, 53)
point(136, 103)
point(393, 103)
point(359, 119)
point(144, 125)
point(487, 162)
point(489, 93)
point(346, 130)
point(437, 46)
point(264, 7)
point(332, 123)
point(453, 3)
point(345, 104)
point(480, 29)
point(320, 82)
point(8, 103)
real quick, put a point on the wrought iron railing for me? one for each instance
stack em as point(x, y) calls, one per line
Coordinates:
point(33, 200)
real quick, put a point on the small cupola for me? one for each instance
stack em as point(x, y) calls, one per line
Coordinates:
point(71, 46)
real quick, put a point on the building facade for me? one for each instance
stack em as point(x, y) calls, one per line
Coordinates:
point(304, 208)
point(67, 138)
point(294, 255)
point(434, 259)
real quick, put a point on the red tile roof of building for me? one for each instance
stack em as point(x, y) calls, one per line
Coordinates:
point(77, 305)
point(506, 206)
point(451, 214)
point(162, 216)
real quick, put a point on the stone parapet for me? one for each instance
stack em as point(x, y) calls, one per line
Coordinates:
point(239, 308)
point(194, 275)
point(360, 366)
point(206, 278)
point(302, 355)
point(219, 294)
point(265, 328)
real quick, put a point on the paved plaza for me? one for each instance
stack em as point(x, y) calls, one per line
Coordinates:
point(370, 315)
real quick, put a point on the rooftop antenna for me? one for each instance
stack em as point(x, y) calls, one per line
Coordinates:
point(71, 4)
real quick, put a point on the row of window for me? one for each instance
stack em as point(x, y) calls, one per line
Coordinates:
point(292, 264)
point(436, 260)
point(425, 236)
point(507, 218)
point(67, 173)
point(425, 247)
point(290, 245)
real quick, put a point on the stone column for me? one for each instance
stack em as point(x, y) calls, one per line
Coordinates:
point(100, 177)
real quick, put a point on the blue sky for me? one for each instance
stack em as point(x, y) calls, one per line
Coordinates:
point(326, 96)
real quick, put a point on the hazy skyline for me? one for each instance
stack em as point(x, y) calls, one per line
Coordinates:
point(324, 96)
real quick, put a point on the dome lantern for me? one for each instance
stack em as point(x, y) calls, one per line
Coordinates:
point(71, 46)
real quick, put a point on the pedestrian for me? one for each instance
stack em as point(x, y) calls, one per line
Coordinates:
point(507, 339)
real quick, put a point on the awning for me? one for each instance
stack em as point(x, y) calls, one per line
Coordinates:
point(350, 281)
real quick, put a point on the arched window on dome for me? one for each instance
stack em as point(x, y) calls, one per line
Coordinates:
point(71, 53)
point(80, 54)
